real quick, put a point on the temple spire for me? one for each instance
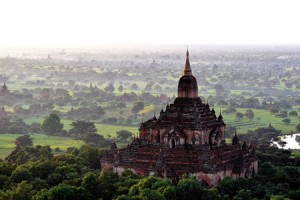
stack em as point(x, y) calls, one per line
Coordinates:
point(187, 86)
point(187, 67)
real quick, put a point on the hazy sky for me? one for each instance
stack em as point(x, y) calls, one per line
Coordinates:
point(62, 23)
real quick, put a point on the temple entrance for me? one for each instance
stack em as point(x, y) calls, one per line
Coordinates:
point(172, 145)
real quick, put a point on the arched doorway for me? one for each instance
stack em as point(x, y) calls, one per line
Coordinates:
point(172, 143)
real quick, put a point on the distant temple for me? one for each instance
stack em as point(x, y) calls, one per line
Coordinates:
point(4, 90)
point(187, 138)
point(3, 118)
point(3, 114)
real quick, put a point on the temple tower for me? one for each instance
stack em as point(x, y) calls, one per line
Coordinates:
point(187, 86)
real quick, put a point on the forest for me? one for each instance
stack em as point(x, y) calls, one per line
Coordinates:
point(36, 173)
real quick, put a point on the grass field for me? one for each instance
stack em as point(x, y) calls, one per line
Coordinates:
point(296, 153)
point(103, 129)
point(262, 118)
point(107, 129)
point(7, 142)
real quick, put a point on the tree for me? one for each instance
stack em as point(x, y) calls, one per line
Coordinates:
point(249, 114)
point(190, 188)
point(23, 155)
point(243, 195)
point(293, 113)
point(81, 128)
point(20, 174)
point(134, 86)
point(52, 125)
point(23, 191)
point(121, 105)
point(89, 182)
point(90, 154)
point(35, 127)
point(298, 128)
point(149, 85)
point(137, 106)
point(120, 88)
point(239, 116)
point(64, 192)
point(107, 180)
point(23, 140)
point(6, 168)
point(109, 88)
point(227, 186)
point(286, 120)
point(15, 129)
point(148, 194)
point(219, 89)
point(95, 140)
point(123, 135)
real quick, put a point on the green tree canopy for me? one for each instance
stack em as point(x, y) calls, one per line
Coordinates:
point(123, 135)
point(190, 188)
point(52, 125)
point(298, 128)
point(239, 116)
point(137, 106)
point(81, 128)
point(249, 114)
point(286, 120)
point(23, 140)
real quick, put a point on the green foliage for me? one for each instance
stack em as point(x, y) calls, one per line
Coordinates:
point(190, 188)
point(6, 168)
point(20, 174)
point(109, 88)
point(243, 195)
point(86, 113)
point(123, 135)
point(63, 192)
point(107, 187)
point(24, 140)
point(227, 186)
point(91, 155)
point(137, 106)
point(249, 114)
point(120, 88)
point(88, 133)
point(286, 120)
point(293, 113)
point(23, 191)
point(7, 142)
point(239, 116)
point(89, 183)
point(298, 128)
point(25, 154)
point(149, 194)
point(169, 193)
point(76, 175)
point(52, 125)
point(81, 128)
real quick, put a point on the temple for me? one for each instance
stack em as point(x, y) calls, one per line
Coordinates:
point(186, 138)
point(4, 90)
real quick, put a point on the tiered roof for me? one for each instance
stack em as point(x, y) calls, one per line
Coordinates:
point(186, 113)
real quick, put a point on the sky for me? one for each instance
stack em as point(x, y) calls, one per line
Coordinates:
point(75, 23)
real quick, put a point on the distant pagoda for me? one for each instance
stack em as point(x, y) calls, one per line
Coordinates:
point(186, 138)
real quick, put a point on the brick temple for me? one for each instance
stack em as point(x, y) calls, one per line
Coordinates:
point(186, 138)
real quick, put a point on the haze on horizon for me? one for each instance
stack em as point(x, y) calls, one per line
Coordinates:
point(85, 23)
